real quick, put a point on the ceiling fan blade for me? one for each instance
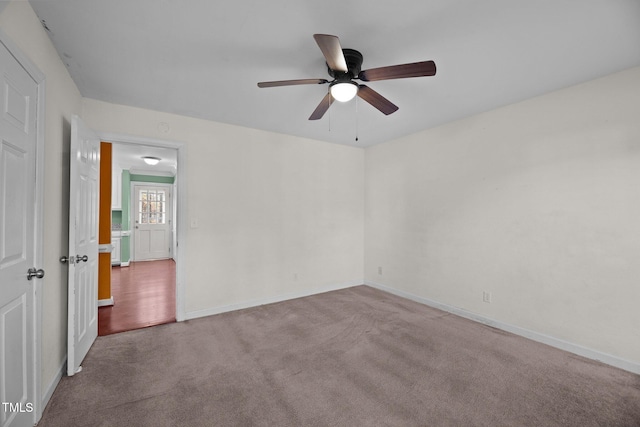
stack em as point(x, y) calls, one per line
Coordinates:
point(322, 107)
point(332, 51)
point(374, 98)
point(293, 82)
point(415, 69)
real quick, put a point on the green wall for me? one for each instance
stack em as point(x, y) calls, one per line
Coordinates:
point(125, 243)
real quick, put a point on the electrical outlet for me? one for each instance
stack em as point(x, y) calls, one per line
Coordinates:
point(380, 271)
point(486, 296)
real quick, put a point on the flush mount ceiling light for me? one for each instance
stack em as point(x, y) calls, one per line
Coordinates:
point(343, 91)
point(151, 160)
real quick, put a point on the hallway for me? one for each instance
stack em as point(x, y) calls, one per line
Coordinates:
point(144, 295)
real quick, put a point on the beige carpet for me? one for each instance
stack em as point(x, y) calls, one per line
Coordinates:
point(354, 357)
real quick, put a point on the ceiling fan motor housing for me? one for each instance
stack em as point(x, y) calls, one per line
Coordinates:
point(353, 58)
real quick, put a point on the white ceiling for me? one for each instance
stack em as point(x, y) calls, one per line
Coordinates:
point(129, 156)
point(203, 58)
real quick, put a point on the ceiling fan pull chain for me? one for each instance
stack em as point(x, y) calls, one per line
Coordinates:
point(356, 119)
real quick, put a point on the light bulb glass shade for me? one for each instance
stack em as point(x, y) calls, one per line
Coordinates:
point(344, 91)
point(151, 160)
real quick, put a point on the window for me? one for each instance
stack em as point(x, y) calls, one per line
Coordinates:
point(152, 207)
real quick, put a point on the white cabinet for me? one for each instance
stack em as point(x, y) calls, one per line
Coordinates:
point(115, 251)
point(116, 188)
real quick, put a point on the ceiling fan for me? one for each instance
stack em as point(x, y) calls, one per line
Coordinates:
point(344, 66)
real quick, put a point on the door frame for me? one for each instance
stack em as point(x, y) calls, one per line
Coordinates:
point(180, 199)
point(133, 202)
point(39, 78)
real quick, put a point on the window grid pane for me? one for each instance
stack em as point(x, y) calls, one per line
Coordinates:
point(152, 207)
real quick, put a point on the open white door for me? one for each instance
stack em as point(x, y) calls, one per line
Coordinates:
point(18, 275)
point(84, 198)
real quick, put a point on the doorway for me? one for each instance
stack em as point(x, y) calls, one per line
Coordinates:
point(143, 293)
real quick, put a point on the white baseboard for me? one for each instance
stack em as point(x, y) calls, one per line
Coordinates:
point(51, 387)
point(535, 336)
point(125, 264)
point(269, 300)
point(105, 302)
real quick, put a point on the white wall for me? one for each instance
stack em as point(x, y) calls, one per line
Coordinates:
point(278, 215)
point(537, 203)
point(63, 100)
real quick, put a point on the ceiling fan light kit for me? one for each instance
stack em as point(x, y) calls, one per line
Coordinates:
point(343, 91)
point(344, 65)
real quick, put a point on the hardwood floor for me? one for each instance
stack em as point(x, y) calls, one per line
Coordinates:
point(144, 295)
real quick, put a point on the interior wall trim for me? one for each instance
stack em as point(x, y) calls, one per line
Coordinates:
point(608, 359)
point(270, 300)
point(105, 302)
